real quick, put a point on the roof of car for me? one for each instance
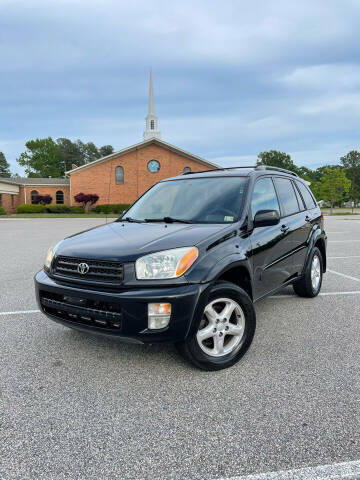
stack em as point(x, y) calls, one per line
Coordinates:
point(237, 172)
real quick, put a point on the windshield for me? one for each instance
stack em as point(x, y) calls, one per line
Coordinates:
point(200, 200)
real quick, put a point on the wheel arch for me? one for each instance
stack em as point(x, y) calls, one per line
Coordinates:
point(320, 244)
point(239, 275)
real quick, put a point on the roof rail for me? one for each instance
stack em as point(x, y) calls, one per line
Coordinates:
point(219, 169)
point(268, 167)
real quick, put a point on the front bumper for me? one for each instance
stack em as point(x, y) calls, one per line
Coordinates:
point(123, 313)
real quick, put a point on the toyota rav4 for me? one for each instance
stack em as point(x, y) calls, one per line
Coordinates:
point(187, 261)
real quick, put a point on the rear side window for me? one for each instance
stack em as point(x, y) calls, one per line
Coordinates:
point(264, 196)
point(306, 195)
point(287, 196)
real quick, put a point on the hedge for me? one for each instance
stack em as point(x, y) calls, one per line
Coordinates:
point(29, 208)
point(111, 208)
point(2, 211)
point(63, 209)
point(57, 208)
point(77, 210)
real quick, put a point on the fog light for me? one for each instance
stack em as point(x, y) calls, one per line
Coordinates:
point(158, 315)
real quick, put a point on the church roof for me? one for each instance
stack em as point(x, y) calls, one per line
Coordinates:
point(143, 144)
point(36, 181)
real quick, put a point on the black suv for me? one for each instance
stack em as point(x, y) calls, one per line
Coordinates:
point(187, 261)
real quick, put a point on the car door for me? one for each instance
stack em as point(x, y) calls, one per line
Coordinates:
point(293, 223)
point(268, 244)
point(307, 218)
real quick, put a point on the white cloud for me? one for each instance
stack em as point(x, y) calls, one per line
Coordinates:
point(324, 77)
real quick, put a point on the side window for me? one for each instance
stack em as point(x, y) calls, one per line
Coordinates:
point(306, 195)
point(299, 198)
point(287, 196)
point(264, 196)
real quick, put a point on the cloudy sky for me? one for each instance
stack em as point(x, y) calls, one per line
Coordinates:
point(232, 77)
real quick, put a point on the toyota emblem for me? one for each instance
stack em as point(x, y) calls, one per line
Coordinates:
point(83, 268)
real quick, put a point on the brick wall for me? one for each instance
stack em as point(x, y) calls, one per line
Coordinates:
point(100, 178)
point(11, 205)
point(9, 202)
point(43, 190)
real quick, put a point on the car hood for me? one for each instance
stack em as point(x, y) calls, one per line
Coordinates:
point(128, 241)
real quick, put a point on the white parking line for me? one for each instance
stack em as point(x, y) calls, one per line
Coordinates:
point(336, 471)
point(351, 256)
point(343, 241)
point(355, 292)
point(18, 312)
point(343, 275)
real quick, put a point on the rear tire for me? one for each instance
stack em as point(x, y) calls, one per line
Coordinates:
point(224, 331)
point(310, 283)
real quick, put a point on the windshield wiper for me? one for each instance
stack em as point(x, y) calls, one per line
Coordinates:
point(129, 219)
point(168, 220)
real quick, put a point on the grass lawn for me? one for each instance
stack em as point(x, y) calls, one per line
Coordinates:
point(341, 211)
point(60, 215)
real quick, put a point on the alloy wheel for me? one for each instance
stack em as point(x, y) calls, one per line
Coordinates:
point(221, 328)
point(315, 273)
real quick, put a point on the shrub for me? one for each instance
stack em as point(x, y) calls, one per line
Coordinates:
point(42, 199)
point(29, 208)
point(87, 199)
point(111, 208)
point(76, 210)
point(2, 211)
point(58, 208)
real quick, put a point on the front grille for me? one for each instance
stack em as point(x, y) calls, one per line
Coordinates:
point(100, 271)
point(82, 311)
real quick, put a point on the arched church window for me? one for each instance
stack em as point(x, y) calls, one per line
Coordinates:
point(187, 170)
point(119, 175)
point(33, 195)
point(152, 124)
point(59, 197)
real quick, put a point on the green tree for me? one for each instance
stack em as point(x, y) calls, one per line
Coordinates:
point(333, 185)
point(275, 158)
point(89, 151)
point(42, 158)
point(351, 163)
point(4, 166)
point(106, 150)
point(70, 153)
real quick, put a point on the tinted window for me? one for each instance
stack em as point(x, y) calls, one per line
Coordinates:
point(308, 199)
point(287, 196)
point(264, 196)
point(299, 199)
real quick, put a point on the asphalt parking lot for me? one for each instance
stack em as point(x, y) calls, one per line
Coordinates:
point(76, 406)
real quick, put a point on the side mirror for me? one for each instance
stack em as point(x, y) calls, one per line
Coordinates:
point(266, 218)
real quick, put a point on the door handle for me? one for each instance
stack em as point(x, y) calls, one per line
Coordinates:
point(307, 219)
point(284, 228)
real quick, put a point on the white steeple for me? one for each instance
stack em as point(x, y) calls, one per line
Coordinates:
point(151, 119)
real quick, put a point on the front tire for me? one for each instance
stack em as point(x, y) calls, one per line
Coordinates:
point(225, 329)
point(310, 284)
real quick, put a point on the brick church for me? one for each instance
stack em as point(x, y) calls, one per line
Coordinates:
point(117, 178)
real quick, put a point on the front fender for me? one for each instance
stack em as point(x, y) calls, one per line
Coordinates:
point(227, 263)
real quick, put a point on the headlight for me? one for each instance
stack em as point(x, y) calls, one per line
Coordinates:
point(166, 264)
point(49, 257)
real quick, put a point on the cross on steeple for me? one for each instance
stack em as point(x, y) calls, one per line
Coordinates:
point(151, 119)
